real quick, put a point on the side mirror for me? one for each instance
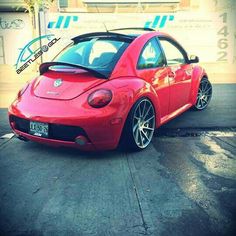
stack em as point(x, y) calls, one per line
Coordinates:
point(193, 59)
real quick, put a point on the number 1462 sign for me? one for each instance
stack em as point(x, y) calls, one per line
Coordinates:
point(224, 40)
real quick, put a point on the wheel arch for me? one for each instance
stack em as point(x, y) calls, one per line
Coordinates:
point(136, 89)
point(148, 92)
point(125, 133)
point(197, 75)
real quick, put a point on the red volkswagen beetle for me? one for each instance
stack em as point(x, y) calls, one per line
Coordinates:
point(109, 87)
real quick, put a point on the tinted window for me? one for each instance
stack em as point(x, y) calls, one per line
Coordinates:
point(100, 54)
point(173, 54)
point(151, 56)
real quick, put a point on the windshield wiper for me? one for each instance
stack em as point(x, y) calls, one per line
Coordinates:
point(45, 66)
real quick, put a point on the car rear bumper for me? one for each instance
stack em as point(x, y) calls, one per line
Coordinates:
point(97, 134)
point(55, 143)
point(85, 146)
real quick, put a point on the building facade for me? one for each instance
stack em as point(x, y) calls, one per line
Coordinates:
point(204, 27)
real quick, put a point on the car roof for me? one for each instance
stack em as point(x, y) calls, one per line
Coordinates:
point(157, 33)
point(145, 30)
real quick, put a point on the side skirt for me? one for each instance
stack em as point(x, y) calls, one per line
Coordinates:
point(175, 114)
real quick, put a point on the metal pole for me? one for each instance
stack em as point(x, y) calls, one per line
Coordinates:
point(40, 33)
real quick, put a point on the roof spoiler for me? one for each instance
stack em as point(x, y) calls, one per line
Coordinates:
point(133, 28)
point(83, 37)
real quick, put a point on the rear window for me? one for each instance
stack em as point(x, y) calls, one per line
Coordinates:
point(99, 54)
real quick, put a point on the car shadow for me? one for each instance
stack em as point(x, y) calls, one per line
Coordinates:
point(70, 152)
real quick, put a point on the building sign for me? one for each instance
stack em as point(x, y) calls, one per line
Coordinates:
point(63, 22)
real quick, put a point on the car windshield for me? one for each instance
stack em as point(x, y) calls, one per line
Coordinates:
point(98, 54)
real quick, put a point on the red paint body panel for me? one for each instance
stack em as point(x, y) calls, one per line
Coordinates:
point(172, 90)
point(74, 84)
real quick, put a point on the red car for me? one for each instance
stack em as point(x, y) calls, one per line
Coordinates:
point(108, 88)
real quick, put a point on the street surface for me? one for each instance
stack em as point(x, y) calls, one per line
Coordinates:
point(183, 184)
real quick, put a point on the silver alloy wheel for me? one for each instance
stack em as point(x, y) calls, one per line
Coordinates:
point(204, 94)
point(143, 124)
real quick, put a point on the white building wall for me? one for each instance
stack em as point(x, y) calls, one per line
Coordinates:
point(198, 32)
point(15, 28)
point(208, 34)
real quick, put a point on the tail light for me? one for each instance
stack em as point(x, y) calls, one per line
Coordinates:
point(100, 98)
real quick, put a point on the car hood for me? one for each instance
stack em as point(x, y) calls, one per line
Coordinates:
point(64, 85)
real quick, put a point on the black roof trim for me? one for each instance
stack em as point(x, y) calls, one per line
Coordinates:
point(133, 28)
point(83, 37)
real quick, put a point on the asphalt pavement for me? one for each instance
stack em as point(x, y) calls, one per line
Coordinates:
point(184, 183)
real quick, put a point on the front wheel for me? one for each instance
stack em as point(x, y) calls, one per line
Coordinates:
point(140, 125)
point(204, 95)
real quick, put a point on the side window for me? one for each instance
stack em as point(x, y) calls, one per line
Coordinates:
point(173, 54)
point(151, 56)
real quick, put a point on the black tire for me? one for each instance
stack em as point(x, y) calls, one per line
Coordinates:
point(138, 130)
point(204, 95)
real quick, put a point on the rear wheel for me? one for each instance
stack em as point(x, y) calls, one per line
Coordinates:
point(204, 95)
point(140, 125)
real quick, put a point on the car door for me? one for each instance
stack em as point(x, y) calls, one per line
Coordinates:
point(179, 73)
point(151, 67)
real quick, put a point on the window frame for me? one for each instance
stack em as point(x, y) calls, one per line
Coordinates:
point(175, 44)
point(162, 52)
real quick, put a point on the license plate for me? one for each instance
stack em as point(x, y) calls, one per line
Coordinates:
point(39, 129)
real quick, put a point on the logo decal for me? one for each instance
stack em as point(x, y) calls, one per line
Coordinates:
point(159, 21)
point(57, 83)
point(62, 19)
point(32, 51)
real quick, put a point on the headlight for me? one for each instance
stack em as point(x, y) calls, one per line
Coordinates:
point(100, 98)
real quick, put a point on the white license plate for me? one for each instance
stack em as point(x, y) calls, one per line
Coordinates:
point(39, 129)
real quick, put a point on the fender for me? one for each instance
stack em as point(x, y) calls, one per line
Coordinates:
point(197, 74)
point(136, 88)
point(126, 92)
